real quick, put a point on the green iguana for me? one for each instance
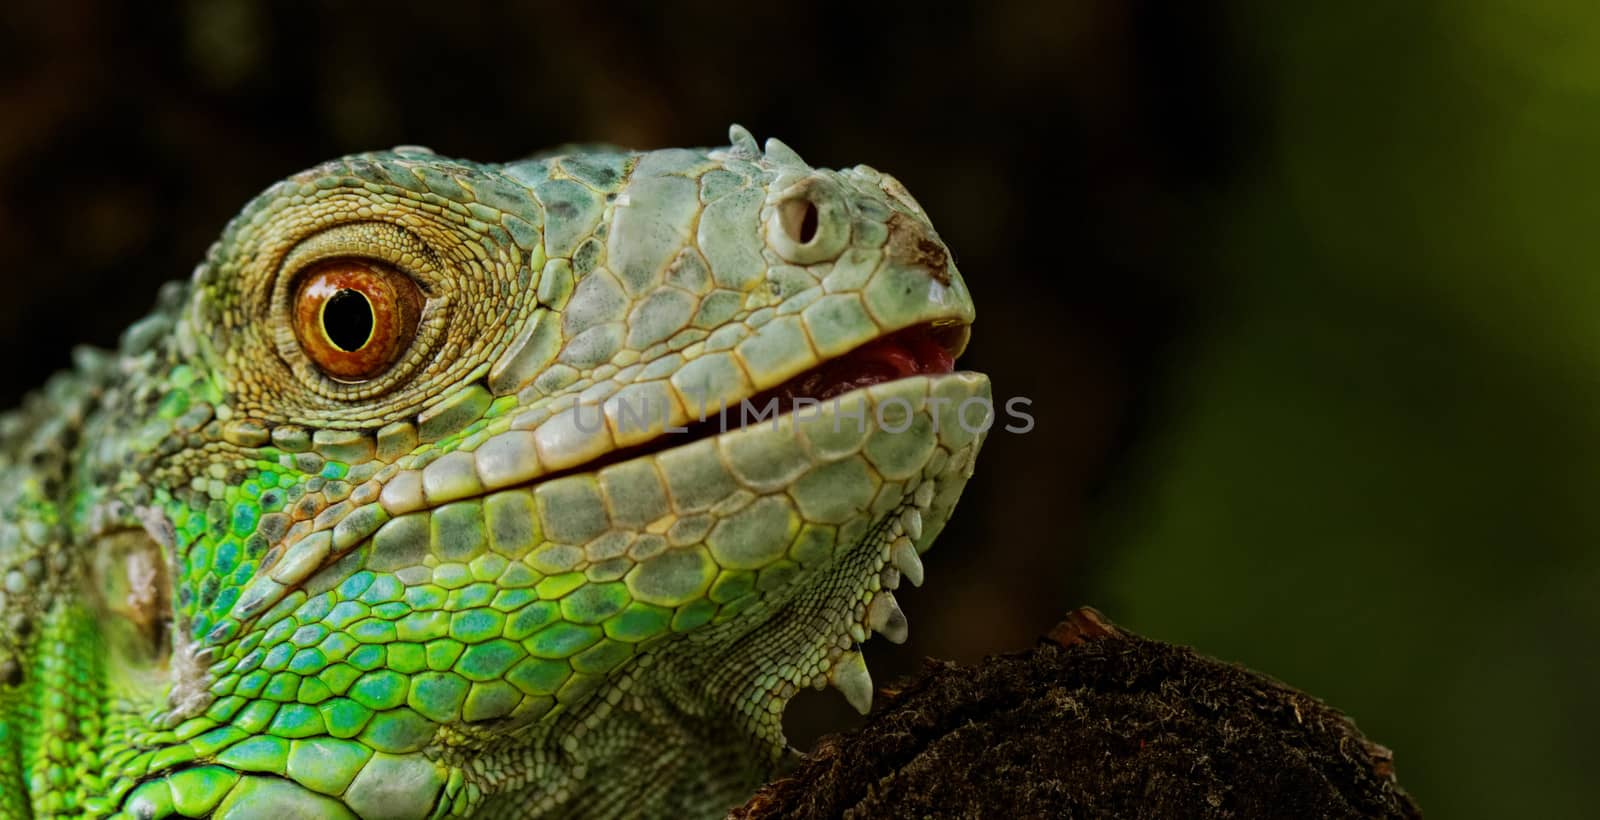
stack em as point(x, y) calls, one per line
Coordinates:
point(447, 489)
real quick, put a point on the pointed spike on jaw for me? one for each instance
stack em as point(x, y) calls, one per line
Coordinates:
point(911, 520)
point(886, 618)
point(905, 559)
point(849, 675)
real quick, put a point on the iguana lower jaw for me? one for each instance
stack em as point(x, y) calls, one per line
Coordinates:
point(728, 682)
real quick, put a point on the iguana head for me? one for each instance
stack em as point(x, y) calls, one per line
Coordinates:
point(438, 475)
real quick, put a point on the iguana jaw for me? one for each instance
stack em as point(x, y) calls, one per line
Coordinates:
point(910, 370)
point(803, 622)
point(809, 631)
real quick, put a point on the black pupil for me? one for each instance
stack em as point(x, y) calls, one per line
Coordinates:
point(347, 319)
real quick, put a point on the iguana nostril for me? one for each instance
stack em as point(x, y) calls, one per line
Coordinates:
point(810, 221)
point(800, 220)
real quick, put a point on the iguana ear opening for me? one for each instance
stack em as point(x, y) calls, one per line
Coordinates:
point(133, 590)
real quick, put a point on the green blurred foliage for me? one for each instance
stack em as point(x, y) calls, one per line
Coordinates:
point(1373, 472)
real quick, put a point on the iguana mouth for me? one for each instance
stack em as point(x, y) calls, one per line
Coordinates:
point(927, 349)
point(922, 350)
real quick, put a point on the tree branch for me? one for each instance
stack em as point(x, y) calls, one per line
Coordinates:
point(1094, 721)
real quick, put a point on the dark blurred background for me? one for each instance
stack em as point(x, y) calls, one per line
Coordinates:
point(1304, 294)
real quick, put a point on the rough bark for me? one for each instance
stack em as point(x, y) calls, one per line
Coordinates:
point(1093, 722)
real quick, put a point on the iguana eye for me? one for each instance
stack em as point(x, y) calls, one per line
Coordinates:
point(354, 317)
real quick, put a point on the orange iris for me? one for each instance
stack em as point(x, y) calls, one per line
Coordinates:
point(354, 317)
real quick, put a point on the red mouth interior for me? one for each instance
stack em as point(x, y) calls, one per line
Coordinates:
point(915, 351)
